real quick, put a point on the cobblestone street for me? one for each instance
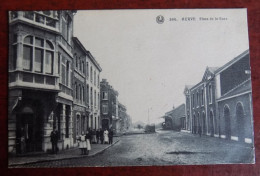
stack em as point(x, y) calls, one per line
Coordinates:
point(163, 148)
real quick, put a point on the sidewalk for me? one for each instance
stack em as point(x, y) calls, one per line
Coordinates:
point(64, 154)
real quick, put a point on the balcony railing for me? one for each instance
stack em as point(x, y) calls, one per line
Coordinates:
point(65, 44)
point(65, 89)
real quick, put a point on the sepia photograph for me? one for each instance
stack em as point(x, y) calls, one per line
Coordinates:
point(100, 88)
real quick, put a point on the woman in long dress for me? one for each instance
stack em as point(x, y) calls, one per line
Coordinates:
point(88, 137)
point(106, 136)
point(82, 144)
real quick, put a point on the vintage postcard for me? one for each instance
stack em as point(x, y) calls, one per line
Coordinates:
point(129, 88)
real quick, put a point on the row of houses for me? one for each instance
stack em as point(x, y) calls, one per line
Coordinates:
point(220, 105)
point(54, 82)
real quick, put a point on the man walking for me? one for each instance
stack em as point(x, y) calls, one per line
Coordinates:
point(101, 135)
point(54, 140)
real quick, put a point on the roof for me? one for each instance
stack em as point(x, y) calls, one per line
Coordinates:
point(232, 61)
point(213, 69)
point(177, 112)
point(241, 88)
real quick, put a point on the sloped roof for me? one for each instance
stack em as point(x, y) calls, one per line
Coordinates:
point(177, 112)
point(213, 69)
point(243, 87)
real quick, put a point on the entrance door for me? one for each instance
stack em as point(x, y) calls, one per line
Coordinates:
point(105, 124)
point(25, 133)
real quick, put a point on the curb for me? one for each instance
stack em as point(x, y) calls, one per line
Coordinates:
point(59, 159)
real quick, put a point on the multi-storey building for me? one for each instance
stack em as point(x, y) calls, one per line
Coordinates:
point(234, 99)
point(109, 106)
point(93, 91)
point(86, 90)
point(221, 104)
point(40, 73)
point(80, 108)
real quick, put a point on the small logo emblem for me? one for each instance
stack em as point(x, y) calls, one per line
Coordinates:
point(160, 19)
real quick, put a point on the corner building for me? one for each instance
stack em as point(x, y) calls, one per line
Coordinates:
point(40, 74)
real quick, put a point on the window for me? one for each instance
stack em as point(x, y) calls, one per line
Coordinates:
point(94, 77)
point(76, 62)
point(67, 73)
point(91, 96)
point(98, 81)
point(76, 92)
point(104, 96)
point(38, 60)
point(83, 67)
point(210, 94)
point(78, 125)
point(98, 101)
point(104, 108)
point(87, 70)
point(79, 92)
point(193, 100)
point(91, 74)
point(87, 94)
point(95, 99)
point(198, 99)
point(43, 50)
point(83, 94)
point(49, 62)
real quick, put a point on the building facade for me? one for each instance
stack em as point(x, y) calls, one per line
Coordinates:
point(40, 73)
point(175, 119)
point(53, 82)
point(221, 104)
point(109, 106)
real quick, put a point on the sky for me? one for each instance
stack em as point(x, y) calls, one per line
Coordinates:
point(148, 63)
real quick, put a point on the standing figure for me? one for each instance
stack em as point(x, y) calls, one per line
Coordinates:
point(101, 135)
point(97, 135)
point(94, 138)
point(88, 142)
point(110, 136)
point(54, 140)
point(82, 143)
point(106, 136)
point(90, 133)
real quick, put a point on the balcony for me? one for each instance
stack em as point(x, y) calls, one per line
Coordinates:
point(64, 43)
point(65, 89)
point(46, 19)
point(27, 79)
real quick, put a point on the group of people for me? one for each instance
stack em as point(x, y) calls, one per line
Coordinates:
point(93, 137)
point(85, 139)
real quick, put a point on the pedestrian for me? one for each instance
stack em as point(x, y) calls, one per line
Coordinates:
point(90, 133)
point(82, 143)
point(97, 135)
point(105, 136)
point(101, 135)
point(54, 140)
point(110, 136)
point(94, 138)
point(200, 131)
point(88, 142)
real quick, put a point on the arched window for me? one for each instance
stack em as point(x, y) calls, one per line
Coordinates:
point(28, 53)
